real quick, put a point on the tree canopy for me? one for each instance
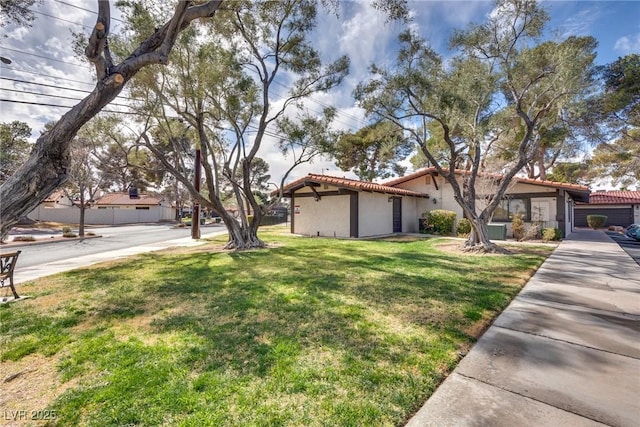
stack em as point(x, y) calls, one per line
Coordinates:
point(491, 99)
point(373, 151)
point(617, 118)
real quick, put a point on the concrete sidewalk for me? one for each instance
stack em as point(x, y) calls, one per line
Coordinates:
point(566, 352)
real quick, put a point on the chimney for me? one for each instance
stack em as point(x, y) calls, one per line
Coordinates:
point(133, 193)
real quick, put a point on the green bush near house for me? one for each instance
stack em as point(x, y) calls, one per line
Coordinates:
point(441, 221)
point(551, 234)
point(464, 227)
point(596, 221)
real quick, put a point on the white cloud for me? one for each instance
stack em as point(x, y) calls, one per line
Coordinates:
point(628, 44)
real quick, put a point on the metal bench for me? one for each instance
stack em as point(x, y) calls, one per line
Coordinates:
point(7, 265)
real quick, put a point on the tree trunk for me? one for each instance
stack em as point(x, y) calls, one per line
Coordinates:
point(241, 237)
point(46, 168)
point(478, 240)
point(81, 224)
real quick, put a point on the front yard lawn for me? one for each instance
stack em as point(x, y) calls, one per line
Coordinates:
point(308, 332)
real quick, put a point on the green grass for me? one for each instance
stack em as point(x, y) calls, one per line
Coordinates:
point(309, 332)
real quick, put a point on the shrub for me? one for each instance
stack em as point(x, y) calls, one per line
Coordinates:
point(441, 221)
point(25, 238)
point(551, 234)
point(596, 221)
point(517, 225)
point(532, 232)
point(464, 227)
point(68, 232)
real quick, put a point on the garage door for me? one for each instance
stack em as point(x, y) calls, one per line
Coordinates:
point(615, 216)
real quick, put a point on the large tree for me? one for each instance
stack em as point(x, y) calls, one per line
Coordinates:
point(617, 115)
point(373, 151)
point(224, 88)
point(46, 168)
point(501, 85)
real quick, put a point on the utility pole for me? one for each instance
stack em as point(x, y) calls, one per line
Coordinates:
point(195, 217)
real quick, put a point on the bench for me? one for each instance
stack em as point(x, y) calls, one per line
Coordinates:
point(7, 265)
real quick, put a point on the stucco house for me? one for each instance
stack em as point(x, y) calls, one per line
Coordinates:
point(111, 208)
point(622, 208)
point(57, 200)
point(323, 205)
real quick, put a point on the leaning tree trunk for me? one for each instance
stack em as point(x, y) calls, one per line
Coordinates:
point(47, 165)
point(46, 168)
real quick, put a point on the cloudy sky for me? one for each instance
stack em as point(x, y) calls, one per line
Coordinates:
point(42, 61)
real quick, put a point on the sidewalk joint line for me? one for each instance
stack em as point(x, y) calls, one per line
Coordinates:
point(531, 398)
point(565, 341)
point(520, 295)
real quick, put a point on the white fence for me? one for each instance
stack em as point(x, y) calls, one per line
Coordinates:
point(107, 216)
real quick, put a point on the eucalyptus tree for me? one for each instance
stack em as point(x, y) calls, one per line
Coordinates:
point(229, 82)
point(500, 86)
point(47, 165)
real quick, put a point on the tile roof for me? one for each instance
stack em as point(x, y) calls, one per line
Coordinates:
point(124, 199)
point(432, 170)
point(351, 184)
point(53, 197)
point(614, 197)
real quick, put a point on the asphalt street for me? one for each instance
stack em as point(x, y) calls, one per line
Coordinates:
point(630, 246)
point(42, 259)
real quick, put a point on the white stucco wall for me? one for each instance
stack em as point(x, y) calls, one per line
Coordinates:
point(103, 216)
point(375, 214)
point(329, 216)
point(442, 198)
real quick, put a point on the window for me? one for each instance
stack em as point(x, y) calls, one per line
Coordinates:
point(513, 206)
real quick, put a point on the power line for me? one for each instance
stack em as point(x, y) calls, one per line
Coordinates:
point(55, 96)
point(43, 57)
point(86, 10)
point(21, 70)
point(43, 104)
point(60, 19)
point(58, 87)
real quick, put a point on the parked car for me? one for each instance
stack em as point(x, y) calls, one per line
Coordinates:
point(633, 231)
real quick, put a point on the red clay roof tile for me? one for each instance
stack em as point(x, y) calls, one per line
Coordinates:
point(614, 197)
point(124, 199)
point(352, 184)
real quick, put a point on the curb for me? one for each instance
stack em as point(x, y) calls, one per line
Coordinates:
point(52, 239)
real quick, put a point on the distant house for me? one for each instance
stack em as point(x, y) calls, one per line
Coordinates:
point(621, 208)
point(324, 205)
point(58, 199)
point(112, 208)
point(129, 200)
